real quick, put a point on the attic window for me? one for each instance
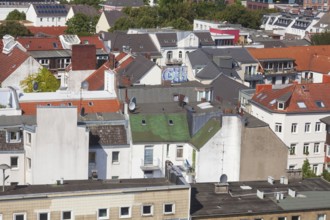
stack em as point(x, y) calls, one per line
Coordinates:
point(90, 103)
point(263, 97)
point(272, 102)
point(141, 46)
point(301, 105)
point(166, 41)
point(280, 105)
point(320, 104)
point(143, 122)
point(170, 122)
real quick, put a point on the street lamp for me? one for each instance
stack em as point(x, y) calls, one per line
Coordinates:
point(4, 167)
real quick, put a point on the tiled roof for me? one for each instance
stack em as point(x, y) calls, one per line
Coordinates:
point(96, 79)
point(298, 98)
point(107, 135)
point(43, 43)
point(10, 62)
point(113, 16)
point(49, 31)
point(313, 58)
point(167, 39)
point(92, 40)
point(205, 38)
point(90, 106)
point(124, 3)
point(85, 9)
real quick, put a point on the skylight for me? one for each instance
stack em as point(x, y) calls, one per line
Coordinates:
point(258, 96)
point(263, 97)
point(301, 105)
point(272, 102)
point(320, 104)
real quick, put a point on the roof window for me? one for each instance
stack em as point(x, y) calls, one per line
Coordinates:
point(272, 102)
point(301, 105)
point(320, 104)
point(143, 122)
point(170, 122)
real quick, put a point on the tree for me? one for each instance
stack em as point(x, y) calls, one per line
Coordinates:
point(82, 24)
point(16, 16)
point(326, 175)
point(321, 39)
point(306, 170)
point(44, 79)
point(14, 29)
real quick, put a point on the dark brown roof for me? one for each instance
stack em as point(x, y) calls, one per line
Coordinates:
point(124, 3)
point(167, 39)
point(205, 38)
point(107, 135)
point(4, 146)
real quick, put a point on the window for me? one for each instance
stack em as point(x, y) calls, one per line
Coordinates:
point(13, 137)
point(148, 155)
point(307, 127)
point(40, 19)
point(168, 209)
point(319, 104)
point(306, 152)
point(295, 217)
point(28, 138)
point(115, 157)
point(92, 157)
point(125, 212)
point(179, 152)
point(278, 127)
point(281, 218)
point(280, 105)
point(147, 210)
point(66, 215)
point(14, 162)
point(315, 168)
point(321, 217)
point(28, 161)
point(318, 126)
point(167, 150)
point(180, 54)
point(103, 214)
point(43, 216)
point(19, 216)
point(293, 149)
point(301, 104)
point(294, 128)
point(316, 148)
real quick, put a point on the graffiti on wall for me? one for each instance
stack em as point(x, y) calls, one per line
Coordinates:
point(176, 74)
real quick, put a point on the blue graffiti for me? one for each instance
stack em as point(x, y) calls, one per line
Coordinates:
point(175, 74)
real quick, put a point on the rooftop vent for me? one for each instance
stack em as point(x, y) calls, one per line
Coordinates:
point(284, 180)
point(270, 180)
point(292, 193)
point(260, 194)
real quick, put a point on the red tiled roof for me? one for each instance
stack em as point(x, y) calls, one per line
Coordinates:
point(120, 56)
point(92, 40)
point(10, 62)
point(40, 43)
point(314, 58)
point(107, 105)
point(306, 94)
point(96, 79)
point(124, 64)
point(51, 31)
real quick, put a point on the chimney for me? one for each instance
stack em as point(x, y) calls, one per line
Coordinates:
point(112, 61)
point(292, 193)
point(270, 180)
point(260, 194)
point(261, 87)
point(83, 57)
point(221, 188)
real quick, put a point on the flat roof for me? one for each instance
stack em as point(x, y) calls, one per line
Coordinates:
point(242, 198)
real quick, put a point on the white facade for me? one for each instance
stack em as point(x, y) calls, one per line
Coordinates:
point(44, 21)
point(5, 10)
point(15, 173)
point(303, 134)
point(8, 102)
point(102, 24)
point(152, 77)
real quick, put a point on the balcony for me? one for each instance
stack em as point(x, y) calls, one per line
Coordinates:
point(253, 77)
point(150, 165)
point(280, 72)
point(173, 61)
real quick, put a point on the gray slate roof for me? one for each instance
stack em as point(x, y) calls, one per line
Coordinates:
point(124, 3)
point(85, 9)
point(205, 38)
point(137, 69)
point(113, 16)
point(239, 54)
point(167, 39)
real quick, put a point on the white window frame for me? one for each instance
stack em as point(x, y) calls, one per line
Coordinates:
point(118, 159)
point(173, 209)
point(296, 216)
point(151, 210)
point(307, 127)
point(14, 167)
point(294, 128)
point(318, 127)
point(281, 217)
point(102, 217)
point(315, 168)
point(280, 105)
point(28, 138)
point(292, 149)
point(45, 212)
point(10, 140)
point(71, 215)
point(19, 213)
point(278, 127)
point(317, 147)
point(179, 148)
point(28, 163)
point(324, 216)
point(306, 149)
point(129, 212)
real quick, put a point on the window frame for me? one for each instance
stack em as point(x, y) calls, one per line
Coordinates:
point(14, 167)
point(292, 149)
point(71, 215)
point(318, 126)
point(306, 149)
point(129, 212)
point(151, 210)
point(9, 137)
point(169, 213)
point(19, 213)
point(102, 217)
point(278, 127)
point(316, 144)
point(89, 157)
point(28, 138)
point(117, 161)
point(307, 127)
point(294, 128)
point(44, 212)
point(180, 149)
point(324, 216)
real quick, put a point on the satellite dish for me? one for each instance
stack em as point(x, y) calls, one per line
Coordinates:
point(84, 85)
point(132, 104)
point(223, 178)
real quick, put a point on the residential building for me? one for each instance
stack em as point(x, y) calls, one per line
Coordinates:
point(118, 5)
point(9, 104)
point(47, 14)
point(100, 199)
point(107, 20)
point(271, 199)
point(293, 113)
point(88, 10)
point(327, 143)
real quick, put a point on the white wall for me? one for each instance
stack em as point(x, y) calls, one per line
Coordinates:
point(15, 174)
point(61, 147)
point(4, 11)
point(44, 21)
point(102, 24)
point(221, 154)
point(152, 77)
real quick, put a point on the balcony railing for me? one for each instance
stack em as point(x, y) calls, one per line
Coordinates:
point(150, 165)
point(280, 71)
point(253, 77)
point(173, 61)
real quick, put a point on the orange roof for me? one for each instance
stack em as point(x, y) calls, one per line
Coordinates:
point(96, 79)
point(10, 62)
point(90, 106)
point(51, 31)
point(298, 98)
point(120, 56)
point(40, 43)
point(92, 40)
point(314, 58)
point(124, 64)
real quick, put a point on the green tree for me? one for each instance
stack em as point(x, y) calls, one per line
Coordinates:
point(326, 175)
point(82, 24)
point(306, 170)
point(321, 39)
point(16, 16)
point(45, 80)
point(14, 29)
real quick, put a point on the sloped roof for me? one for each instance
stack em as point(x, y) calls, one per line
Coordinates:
point(136, 69)
point(199, 58)
point(124, 3)
point(209, 72)
point(313, 58)
point(98, 105)
point(205, 38)
point(107, 135)
point(96, 79)
point(40, 43)
point(167, 39)
point(49, 31)
point(85, 9)
point(241, 54)
point(300, 98)
point(10, 62)
point(113, 16)
point(95, 40)
point(205, 133)
point(51, 10)
point(324, 20)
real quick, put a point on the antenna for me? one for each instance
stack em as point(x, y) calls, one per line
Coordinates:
point(132, 104)
point(223, 178)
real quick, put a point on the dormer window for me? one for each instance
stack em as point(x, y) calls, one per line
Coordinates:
point(143, 122)
point(280, 105)
point(13, 136)
point(320, 104)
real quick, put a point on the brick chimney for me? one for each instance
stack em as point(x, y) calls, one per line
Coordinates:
point(83, 57)
point(112, 60)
